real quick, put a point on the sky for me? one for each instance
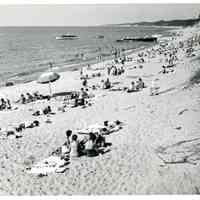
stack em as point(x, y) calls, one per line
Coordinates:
point(93, 14)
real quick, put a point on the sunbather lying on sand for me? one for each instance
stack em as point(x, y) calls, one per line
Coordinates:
point(17, 129)
point(45, 111)
point(30, 98)
point(82, 99)
point(107, 128)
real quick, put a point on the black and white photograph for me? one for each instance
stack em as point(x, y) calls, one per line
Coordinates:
point(99, 99)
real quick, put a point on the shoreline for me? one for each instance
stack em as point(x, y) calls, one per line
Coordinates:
point(131, 164)
point(76, 66)
point(19, 77)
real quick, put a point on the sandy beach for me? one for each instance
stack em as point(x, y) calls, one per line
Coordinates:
point(132, 164)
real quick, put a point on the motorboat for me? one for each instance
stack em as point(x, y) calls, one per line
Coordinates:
point(67, 37)
point(100, 36)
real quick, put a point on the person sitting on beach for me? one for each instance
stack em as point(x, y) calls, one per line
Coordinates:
point(74, 147)
point(112, 126)
point(33, 124)
point(2, 104)
point(140, 84)
point(107, 84)
point(47, 110)
point(100, 140)
point(89, 94)
point(37, 96)
point(132, 87)
point(66, 146)
point(163, 71)
point(90, 146)
point(30, 98)
point(102, 84)
point(22, 99)
point(81, 99)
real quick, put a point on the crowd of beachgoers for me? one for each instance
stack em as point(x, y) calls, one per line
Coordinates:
point(168, 53)
point(91, 140)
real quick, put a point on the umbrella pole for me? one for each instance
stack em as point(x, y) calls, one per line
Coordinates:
point(50, 92)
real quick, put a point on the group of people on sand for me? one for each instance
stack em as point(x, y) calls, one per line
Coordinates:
point(134, 87)
point(166, 70)
point(115, 70)
point(91, 144)
point(16, 130)
point(80, 98)
point(5, 104)
point(28, 97)
point(75, 147)
point(46, 111)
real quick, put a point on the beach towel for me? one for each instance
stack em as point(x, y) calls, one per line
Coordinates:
point(104, 130)
point(52, 164)
point(94, 128)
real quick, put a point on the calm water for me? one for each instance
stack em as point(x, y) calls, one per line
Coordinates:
point(26, 52)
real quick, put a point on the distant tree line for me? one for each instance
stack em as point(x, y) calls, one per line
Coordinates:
point(176, 22)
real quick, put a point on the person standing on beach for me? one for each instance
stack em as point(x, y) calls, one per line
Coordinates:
point(85, 82)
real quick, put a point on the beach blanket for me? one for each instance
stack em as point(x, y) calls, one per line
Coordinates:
point(186, 151)
point(96, 128)
point(52, 164)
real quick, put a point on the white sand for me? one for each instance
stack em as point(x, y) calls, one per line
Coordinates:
point(131, 166)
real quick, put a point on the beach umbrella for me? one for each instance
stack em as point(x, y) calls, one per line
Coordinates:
point(47, 78)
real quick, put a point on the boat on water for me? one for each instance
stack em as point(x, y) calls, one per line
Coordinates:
point(139, 39)
point(67, 37)
point(100, 36)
